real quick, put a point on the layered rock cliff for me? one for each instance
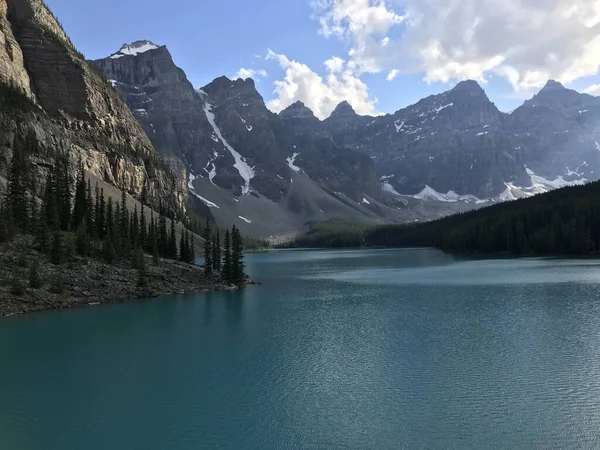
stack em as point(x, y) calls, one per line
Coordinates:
point(64, 106)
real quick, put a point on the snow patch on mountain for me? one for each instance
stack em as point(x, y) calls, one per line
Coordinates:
point(541, 184)
point(207, 202)
point(450, 197)
point(291, 162)
point(191, 179)
point(507, 195)
point(441, 108)
point(245, 220)
point(245, 171)
point(192, 189)
point(387, 187)
point(134, 49)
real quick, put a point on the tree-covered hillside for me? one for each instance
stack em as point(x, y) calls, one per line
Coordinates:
point(565, 221)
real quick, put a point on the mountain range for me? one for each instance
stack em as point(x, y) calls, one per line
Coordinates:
point(137, 122)
point(272, 173)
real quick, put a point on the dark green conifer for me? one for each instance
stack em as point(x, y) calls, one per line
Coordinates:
point(35, 281)
point(134, 229)
point(237, 257)
point(62, 188)
point(226, 273)
point(208, 264)
point(143, 231)
point(192, 253)
point(216, 248)
point(108, 250)
point(163, 237)
point(81, 204)
point(57, 250)
point(182, 248)
point(172, 241)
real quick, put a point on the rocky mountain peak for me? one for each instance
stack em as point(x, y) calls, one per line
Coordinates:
point(227, 84)
point(343, 109)
point(469, 88)
point(553, 86)
point(555, 96)
point(297, 110)
point(135, 48)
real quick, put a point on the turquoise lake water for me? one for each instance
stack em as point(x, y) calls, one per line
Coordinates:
point(381, 349)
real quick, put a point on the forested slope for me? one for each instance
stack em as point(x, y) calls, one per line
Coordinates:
point(566, 221)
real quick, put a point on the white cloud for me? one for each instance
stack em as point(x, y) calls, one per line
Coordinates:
point(320, 94)
point(393, 74)
point(594, 89)
point(335, 64)
point(250, 73)
point(527, 42)
point(364, 23)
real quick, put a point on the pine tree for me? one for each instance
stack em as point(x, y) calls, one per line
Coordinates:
point(109, 218)
point(117, 237)
point(108, 249)
point(134, 229)
point(80, 207)
point(90, 210)
point(183, 256)
point(82, 244)
point(172, 241)
point(237, 257)
point(192, 253)
point(35, 281)
point(151, 239)
point(57, 248)
point(5, 226)
point(226, 273)
point(57, 285)
point(163, 237)
point(155, 245)
point(208, 264)
point(125, 238)
point(62, 187)
point(189, 258)
point(143, 232)
point(100, 213)
point(17, 284)
point(216, 248)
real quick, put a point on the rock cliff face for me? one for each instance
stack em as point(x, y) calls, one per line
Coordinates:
point(236, 151)
point(68, 107)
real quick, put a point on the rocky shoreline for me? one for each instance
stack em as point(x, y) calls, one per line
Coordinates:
point(90, 282)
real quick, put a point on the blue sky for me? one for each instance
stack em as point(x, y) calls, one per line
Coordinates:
point(372, 39)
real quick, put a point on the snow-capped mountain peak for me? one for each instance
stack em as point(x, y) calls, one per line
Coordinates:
point(134, 49)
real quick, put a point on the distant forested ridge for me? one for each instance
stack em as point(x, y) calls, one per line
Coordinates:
point(332, 233)
point(565, 221)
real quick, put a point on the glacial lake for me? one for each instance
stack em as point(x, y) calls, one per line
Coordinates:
point(349, 349)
